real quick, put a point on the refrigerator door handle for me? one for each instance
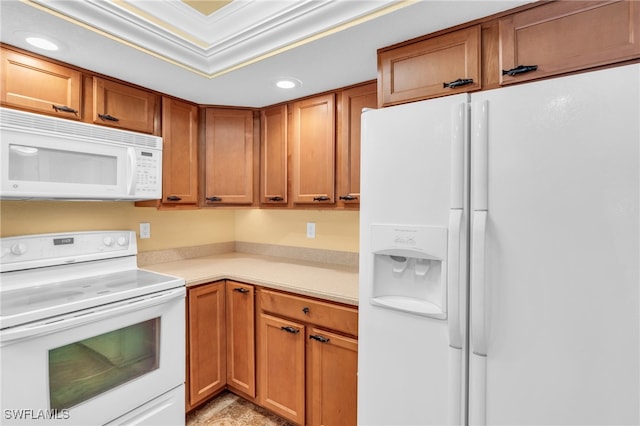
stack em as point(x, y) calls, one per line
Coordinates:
point(480, 156)
point(453, 278)
point(478, 285)
point(458, 139)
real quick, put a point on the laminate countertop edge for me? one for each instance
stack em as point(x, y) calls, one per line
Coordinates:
point(337, 283)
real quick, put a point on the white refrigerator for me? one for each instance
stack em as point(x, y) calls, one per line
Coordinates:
point(499, 256)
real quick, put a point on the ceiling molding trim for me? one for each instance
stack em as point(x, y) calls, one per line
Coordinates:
point(285, 29)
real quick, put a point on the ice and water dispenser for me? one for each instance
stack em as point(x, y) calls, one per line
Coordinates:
point(410, 269)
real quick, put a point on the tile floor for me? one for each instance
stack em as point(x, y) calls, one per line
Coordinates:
point(228, 409)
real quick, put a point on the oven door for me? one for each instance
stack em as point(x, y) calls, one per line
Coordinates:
point(93, 366)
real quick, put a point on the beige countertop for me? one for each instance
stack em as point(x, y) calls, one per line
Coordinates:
point(337, 283)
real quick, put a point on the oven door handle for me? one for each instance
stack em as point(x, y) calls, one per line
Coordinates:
point(51, 325)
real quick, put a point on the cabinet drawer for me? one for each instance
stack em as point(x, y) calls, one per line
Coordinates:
point(427, 68)
point(566, 36)
point(328, 315)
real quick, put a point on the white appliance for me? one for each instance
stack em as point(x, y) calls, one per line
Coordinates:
point(87, 338)
point(499, 256)
point(44, 157)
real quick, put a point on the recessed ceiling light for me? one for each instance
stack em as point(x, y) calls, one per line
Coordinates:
point(42, 43)
point(288, 83)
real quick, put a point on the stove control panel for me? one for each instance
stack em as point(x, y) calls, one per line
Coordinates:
point(33, 251)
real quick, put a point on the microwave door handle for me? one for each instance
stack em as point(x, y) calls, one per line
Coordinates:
point(132, 166)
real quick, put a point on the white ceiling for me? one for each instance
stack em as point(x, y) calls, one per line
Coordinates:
point(234, 55)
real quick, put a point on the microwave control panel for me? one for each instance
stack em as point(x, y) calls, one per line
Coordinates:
point(149, 173)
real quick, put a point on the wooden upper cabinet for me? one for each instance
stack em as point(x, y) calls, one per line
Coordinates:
point(228, 156)
point(313, 150)
point(39, 86)
point(565, 36)
point(123, 106)
point(273, 156)
point(438, 66)
point(352, 102)
point(180, 152)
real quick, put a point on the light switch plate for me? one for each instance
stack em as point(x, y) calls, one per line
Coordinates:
point(311, 229)
point(145, 230)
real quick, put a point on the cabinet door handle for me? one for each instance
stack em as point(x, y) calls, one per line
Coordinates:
point(457, 83)
point(241, 290)
point(276, 199)
point(107, 117)
point(173, 198)
point(319, 338)
point(348, 197)
point(321, 198)
point(520, 69)
point(213, 199)
point(290, 329)
point(64, 108)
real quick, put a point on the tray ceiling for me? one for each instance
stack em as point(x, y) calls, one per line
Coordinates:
point(230, 52)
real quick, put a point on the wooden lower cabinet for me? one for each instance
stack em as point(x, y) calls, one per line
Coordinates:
point(307, 359)
point(332, 379)
point(281, 366)
point(241, 371)
point(206, 342)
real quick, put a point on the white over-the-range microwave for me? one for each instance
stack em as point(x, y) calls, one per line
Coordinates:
point(44, 157)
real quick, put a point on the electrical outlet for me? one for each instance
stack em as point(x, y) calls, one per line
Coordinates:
point(145, 230)
point(311, 230)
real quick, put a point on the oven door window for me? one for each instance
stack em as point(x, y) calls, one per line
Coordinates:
point(84, 369)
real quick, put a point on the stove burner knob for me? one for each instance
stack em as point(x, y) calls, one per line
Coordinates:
point(108, 241)
point(18, 249)
point(122, 241)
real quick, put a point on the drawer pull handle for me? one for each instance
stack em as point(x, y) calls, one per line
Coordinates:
point(319, 338)
point(321, 198)
point(348, 197)
point(290, 329)
point(214, 198)
point(64, 108)
point(173, 198)
point(241, 290)
point(306, 310)
point(457, 83)
point(520, 69)
point(107, 117)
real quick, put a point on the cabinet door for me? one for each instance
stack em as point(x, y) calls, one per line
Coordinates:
point(352, 101)
point(206, 343)
point(180, 152)
point(437, 66)
point(40, 86)
point(313, 150)
point(273, 156)
point(332, 378)
point(281, 369)
point(123, 106)
point(228, 156)
point(241, 338)
point(567, 36)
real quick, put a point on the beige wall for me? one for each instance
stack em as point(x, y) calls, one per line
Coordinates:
point(335, 230)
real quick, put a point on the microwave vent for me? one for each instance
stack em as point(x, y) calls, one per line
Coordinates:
point(42, 124)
